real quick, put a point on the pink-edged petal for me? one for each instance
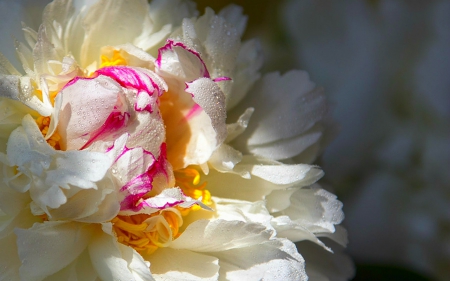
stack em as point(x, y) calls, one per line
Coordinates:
point(205, 121)
point(147, 176)
point(86, 106)
point(175, 59)
point(136, 78)
point(169, 197)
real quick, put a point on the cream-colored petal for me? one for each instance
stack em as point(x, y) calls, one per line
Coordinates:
point(315, 208)
point(47, 248)
point(107, 258)
point(111, 23)
point(276, 260)
point(182, 265)
point(9, 259)
point(136, 263)
point(286, 108)
point(220, 235)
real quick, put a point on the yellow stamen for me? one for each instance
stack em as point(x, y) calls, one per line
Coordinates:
point(188, 180)
point(116, 59)
point(43, 123)
point(146, 233)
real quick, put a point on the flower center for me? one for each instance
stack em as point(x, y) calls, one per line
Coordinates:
point(116, 59)
point(146, 233)
point(188, 180)
point(43, 124)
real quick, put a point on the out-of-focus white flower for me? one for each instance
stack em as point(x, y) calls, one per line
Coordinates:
point(393, 74)
point(118, 163)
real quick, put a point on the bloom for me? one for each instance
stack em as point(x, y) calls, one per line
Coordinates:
point(122, 165)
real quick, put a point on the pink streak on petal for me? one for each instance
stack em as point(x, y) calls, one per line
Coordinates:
point(170, 45)
point(223, 78)
point(129, 77)
point(195, 110)
point(114, 122)
point(142, 184)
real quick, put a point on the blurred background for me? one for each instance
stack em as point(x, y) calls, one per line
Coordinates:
point(385, 65)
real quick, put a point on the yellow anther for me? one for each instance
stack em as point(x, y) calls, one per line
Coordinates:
point(135, 231)
point(188, 179)
point(43, 123)
point(116, 59)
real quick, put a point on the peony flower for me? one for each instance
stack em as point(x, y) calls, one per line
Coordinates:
point(135, 150)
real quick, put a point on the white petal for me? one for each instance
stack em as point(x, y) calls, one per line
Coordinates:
point(276, 260)
point(79, 269)
point(246, 73)
point(238, 210)
point(183, 265)
point(107, 258)
point(136, 264)
point(233, 14)
point(9, 259)
point(220, 235)
point(265, 177)
point(325, 265)
point(91, 205)
point(176, 60)
point(49, 247)
point(51, 170)
point(106, 23)
point(225, 158)
point(210, 98)
point(286, 108)
point(237, 128)
point(21, 89)
point(316, 209)
point(216, 39)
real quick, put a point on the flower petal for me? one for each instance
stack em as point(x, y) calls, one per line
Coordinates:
point(9, 259)
point(276, 260)
point(220, 235)
point(112, 28)
point(282, 119)
point(171, 264)
point(107, 258)
point(49, 247)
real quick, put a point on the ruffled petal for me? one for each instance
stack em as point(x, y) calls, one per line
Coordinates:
point(220, 235)
point(282, 122)
point(276, 260)
point(260, 178)
point(51, 170)
point(46, 248)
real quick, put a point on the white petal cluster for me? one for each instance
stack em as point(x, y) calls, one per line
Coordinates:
point(125, 113)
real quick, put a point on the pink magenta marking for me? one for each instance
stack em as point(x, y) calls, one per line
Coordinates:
point(195, 110)
point(223, 78)
point(169, 47)
point(167, 205)
point(131, 78)
point(139, 186)
point(115, 121)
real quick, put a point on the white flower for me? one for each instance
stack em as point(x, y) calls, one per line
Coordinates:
point(122, 165)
